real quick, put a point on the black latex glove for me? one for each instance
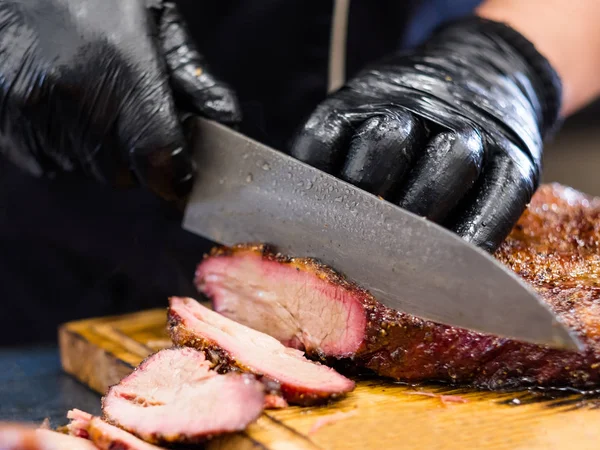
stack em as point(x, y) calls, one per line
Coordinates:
point(452, 131)
point(88, 85)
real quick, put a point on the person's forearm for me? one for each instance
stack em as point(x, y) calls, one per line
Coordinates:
point(566, 32)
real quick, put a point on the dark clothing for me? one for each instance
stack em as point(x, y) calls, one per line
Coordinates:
point(275, 53)
point(71, 248)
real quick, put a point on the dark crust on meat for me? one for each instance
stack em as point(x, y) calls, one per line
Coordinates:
point(158, 439)
point(555, 247)
point(161, 439)
point(226, 362)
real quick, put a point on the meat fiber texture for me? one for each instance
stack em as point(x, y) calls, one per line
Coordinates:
point(174, 397)
point(108, 437)
point(555, 247)
point(102, 434)
point(24, 437)
point(232, 345)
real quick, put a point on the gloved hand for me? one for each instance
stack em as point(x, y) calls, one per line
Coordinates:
point(88, 85)
point(452, 131)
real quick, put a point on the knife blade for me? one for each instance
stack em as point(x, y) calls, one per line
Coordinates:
point(248, 192)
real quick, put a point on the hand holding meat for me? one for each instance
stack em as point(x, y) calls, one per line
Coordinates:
point(452, 131)
point(87, 86)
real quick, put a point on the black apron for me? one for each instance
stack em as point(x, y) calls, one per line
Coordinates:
point(72, 248)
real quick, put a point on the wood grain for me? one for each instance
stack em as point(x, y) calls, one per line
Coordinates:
point(387, 415)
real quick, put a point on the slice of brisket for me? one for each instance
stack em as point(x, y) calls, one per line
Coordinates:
point(555, 247)
point(174, 397)
point(24, 437)
point(233, 345)
point(79, 422)
point(108, 437)
point(104, 435)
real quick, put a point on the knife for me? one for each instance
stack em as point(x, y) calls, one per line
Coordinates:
point(247, 192)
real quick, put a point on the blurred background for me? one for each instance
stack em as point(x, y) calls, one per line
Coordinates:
point(573, 157)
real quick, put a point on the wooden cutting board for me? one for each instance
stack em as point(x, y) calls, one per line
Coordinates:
point(378, 414)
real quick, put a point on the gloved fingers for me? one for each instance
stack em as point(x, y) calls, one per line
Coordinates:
point(323, 139)
point(382, 150)
point(451, 163)
point(191, 78)
point(500, 196)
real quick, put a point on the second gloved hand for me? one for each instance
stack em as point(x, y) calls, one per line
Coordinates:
point(88, 85)
point(452, 131)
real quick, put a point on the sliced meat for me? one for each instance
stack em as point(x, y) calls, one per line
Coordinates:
point(555, 247)
point(108, 437)
point(174, 397)
point(298, 301)
point(104, 435)
point(51, 440)
point(79, 422)
point(24, 437)
point(233, 345)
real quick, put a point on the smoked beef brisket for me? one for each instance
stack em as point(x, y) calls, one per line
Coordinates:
point(175, 397)
point(104, 435)
point(235, 346)
point(555, 247)
point(108, 437)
